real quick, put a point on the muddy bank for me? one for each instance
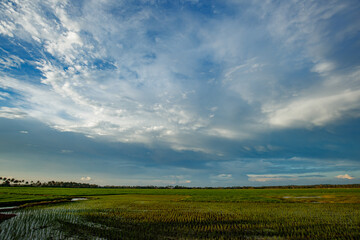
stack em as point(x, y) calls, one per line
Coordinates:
point(6, 209)
point(16, 205)
point(302, 197)
point(4, 217)
point(29, 202)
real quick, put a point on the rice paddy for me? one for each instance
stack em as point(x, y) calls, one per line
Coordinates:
point(190, 214)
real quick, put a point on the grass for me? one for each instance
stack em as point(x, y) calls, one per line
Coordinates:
point(145, 217)
point(187, 214)
point(19, 195)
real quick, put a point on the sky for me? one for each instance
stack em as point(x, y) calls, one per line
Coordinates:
point(185, 92)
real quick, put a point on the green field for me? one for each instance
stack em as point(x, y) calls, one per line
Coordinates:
point(184, 214)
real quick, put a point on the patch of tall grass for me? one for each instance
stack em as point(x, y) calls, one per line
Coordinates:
point(37, 224)
point(156, 217)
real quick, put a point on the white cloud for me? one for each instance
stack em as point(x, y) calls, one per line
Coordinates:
point(266, 178)
point(226, 133)
point(315, 110)
point(257, 75)
point(4, 95)
point(151, 89)
point(302, 25)
point(305, 33)
point(138, 101)
point(24, 132)
point(335, 97)
point(283, 177)
point(11, 113)
point(28, 21)
point(11, 61)
point(249, 66)
point(345, 176)
point(222, 177)
point(85, 178)
point(323, 67)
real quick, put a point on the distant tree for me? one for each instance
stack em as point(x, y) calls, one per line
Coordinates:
point(6, 183)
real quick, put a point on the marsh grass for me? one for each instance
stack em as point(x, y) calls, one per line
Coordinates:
point(169, 217)
point(37, 224)
point(193, 214)
point(10, 196)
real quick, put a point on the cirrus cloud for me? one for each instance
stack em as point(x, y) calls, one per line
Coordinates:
point(189, 84)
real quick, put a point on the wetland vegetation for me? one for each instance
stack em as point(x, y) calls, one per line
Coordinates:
point(181, 213)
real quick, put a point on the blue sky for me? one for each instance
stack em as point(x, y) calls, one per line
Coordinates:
point(195, 93)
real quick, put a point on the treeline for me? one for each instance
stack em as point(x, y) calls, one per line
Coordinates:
point(300, 186)
point(12, 182)
point(244, 187)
